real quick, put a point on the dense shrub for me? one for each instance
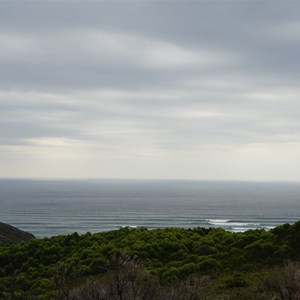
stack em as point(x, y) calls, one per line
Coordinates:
point(29, 269)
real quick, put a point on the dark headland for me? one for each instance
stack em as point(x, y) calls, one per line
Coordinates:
point(11, 235)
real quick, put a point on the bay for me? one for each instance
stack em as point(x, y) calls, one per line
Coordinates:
point(49, 207)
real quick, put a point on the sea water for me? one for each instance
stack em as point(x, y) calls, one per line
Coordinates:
point(47, 208)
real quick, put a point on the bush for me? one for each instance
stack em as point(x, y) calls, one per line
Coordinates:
point(236, 281)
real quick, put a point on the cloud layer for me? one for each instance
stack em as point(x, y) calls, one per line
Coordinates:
point(150, 90)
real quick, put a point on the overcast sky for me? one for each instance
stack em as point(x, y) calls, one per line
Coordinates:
point(152, 89)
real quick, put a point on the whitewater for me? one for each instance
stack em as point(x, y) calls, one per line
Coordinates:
point(49, 207)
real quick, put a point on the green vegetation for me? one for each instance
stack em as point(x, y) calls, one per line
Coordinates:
point(201, 263)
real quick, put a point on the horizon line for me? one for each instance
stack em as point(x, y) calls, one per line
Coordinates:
point(146, 179)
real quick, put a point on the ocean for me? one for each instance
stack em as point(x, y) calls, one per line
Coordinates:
point(46, 207)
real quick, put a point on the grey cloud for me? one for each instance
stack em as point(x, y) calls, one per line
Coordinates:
point(152, 79)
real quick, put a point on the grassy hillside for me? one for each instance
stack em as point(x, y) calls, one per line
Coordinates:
point(10, 235)
point(194, 263)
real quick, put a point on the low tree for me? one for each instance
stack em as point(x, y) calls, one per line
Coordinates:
point(60, 280)
point(286, 284)
point(127, 279)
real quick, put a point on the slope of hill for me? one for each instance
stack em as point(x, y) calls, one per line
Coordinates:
point(162, 264)
point(11, 235)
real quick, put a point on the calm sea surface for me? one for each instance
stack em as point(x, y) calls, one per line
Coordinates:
point(47, 208)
